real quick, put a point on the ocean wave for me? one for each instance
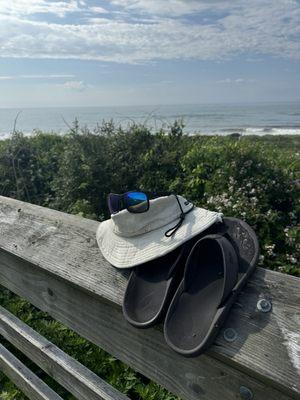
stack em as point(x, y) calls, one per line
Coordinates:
point(272, 131)
point(199, 130)
point(258, 131)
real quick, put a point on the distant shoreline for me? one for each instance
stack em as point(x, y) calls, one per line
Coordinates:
point(210, 119)
point(236, 134)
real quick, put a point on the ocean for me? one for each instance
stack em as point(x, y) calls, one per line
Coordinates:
point(246, 119)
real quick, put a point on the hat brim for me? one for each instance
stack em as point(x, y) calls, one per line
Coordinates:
point(126, 252)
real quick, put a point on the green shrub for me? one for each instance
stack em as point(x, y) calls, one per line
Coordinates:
point(252, 181)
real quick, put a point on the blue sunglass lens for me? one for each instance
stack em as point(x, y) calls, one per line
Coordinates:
point(137, 202)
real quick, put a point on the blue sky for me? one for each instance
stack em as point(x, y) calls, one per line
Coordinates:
point(130, 52)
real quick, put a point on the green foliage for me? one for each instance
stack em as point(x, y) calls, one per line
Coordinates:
point(255, 182)
point(28, 166)
point(162, 172)
point(256, 179)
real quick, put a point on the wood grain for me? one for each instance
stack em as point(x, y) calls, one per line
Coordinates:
point(72, 375)
point(24, 378)
point(144, 350)
point(63, 259)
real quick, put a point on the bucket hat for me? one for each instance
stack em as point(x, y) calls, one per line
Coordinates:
point(127, 240)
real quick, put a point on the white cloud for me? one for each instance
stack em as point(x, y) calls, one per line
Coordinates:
point(59, 8)
point(77, 86)
point(27, 7)
point(236, 81)
point(52, 76)
point(253, 27)
point(98, 10)
point(37, 76)
point(174, 7)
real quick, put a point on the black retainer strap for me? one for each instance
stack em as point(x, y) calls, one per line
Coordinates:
point(173, 230)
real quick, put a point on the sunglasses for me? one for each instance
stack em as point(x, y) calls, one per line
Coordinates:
point(134, 202)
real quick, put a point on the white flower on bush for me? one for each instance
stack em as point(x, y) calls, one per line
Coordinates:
point(254, 200)
point(210, 200)
point(269, 250)
point(289, 238)
point(220, 201)
point(291, 258)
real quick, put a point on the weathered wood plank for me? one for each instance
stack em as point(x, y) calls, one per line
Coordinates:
point(65, 247)
point(144, 350)
point(72, 375)
point(25, 379)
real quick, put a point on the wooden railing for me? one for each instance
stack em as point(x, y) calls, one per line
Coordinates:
point(52, 260)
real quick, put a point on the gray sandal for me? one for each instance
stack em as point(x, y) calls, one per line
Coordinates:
point(216, 270)
point(151, 287)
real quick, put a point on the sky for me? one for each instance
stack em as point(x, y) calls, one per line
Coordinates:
point(148, 52)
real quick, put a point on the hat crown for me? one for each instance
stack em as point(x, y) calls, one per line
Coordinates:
point(162, 211)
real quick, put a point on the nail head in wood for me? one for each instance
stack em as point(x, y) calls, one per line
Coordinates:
point(246, 393)
point(264, 305)
point(230, 335)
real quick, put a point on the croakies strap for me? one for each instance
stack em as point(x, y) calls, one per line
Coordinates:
point(170, 232)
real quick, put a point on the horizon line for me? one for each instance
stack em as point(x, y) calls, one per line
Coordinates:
point(156, 105)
